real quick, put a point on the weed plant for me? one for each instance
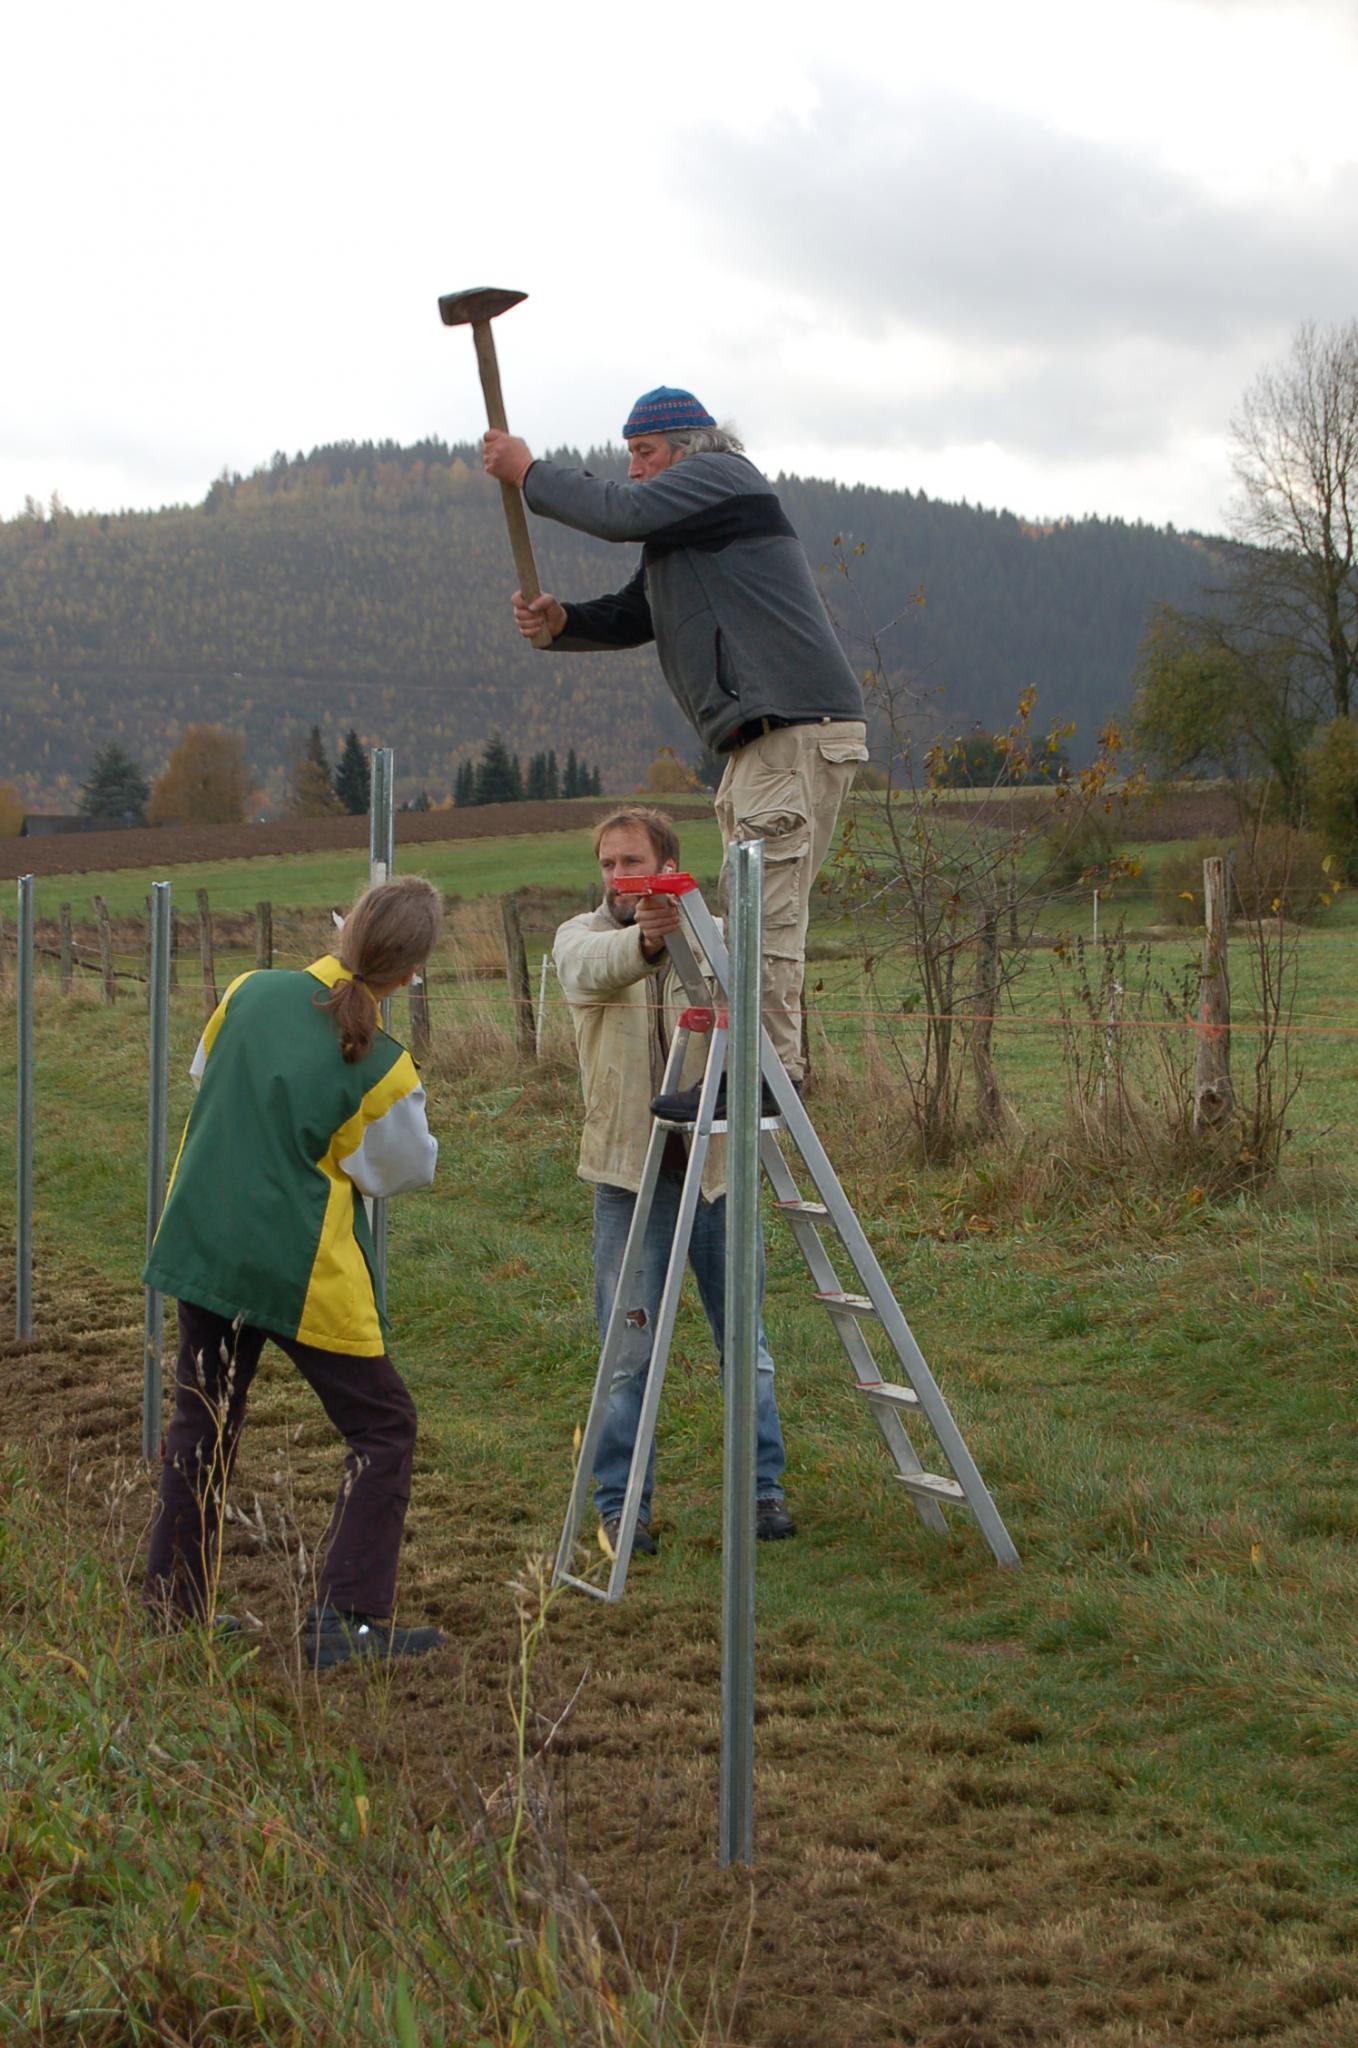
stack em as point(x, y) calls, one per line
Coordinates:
point(190, 1853)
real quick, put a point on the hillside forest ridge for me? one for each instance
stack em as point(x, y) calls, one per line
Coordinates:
point(366, 586)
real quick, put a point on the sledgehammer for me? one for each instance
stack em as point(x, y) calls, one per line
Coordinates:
point(476, 309)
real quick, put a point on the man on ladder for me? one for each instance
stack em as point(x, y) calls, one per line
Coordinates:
point(744, 641)
point(615, 975)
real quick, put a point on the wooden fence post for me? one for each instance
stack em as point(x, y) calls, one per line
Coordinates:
point(264, 935)
point(419, 1019)
point(205, 954)
point(64, 947)
point(105, 952)
point(989, 1101)
point(516, 972)
point(1213, 1097)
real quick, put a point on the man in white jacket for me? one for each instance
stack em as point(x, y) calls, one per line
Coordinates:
point(614, 972)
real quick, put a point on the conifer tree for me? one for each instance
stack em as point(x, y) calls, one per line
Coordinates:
point(498, 776)
point(310, 794)
point(353, 777)
point(115, 787)
point(570, 782)
point(464, 786)
point(553, 785)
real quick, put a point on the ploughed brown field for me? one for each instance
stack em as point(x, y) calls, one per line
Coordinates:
point(161, 846)
point(1183, 815)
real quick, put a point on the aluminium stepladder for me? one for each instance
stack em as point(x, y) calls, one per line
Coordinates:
point(850, 1314)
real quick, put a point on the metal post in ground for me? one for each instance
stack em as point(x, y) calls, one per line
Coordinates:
point(381, 863)
point(547, 964)
point(23, 1119)
point(742, 1329)
point(157, 1158)
point(1213, 1096)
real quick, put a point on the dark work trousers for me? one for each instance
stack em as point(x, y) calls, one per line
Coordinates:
point(367, 1401)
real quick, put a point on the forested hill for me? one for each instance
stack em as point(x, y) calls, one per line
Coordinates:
point(366, 586)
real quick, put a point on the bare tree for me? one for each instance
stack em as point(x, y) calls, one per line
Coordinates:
point(1296, 461)
point(1244, 684)
point(926, 874)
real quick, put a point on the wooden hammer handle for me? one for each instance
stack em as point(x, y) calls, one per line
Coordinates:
point(516, 519)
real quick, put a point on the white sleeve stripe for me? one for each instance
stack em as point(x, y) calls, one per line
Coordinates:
point(397, 1153)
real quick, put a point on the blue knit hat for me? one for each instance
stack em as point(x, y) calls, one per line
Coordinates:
point(665, 411)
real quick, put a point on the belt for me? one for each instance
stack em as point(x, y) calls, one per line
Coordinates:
point(756, 728)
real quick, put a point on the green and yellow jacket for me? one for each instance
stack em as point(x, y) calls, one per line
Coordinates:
point(265, 1218)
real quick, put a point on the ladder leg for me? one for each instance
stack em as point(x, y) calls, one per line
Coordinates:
point(662, 1332)
point(824, 1278)
point(615, 1334)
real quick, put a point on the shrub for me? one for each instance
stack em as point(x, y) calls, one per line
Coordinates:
point(1332, 792)
point(1080, 852)
point(1275, 869)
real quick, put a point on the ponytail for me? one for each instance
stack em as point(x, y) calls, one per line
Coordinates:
point(389, 932)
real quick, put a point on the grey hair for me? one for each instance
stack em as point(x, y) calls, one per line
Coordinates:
point(705, 441)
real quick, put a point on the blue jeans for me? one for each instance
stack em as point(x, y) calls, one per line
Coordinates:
point(707, 1256)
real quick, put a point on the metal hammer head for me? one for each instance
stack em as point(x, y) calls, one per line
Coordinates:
point(483, 302)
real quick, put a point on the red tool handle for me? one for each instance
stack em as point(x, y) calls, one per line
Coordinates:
point(653, 885)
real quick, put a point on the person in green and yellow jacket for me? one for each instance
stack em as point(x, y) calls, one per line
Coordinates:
point(305, 1106)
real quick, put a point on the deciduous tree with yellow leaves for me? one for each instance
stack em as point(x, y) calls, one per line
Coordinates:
point(204, 781)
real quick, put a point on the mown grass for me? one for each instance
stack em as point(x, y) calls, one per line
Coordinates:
point(460, 867)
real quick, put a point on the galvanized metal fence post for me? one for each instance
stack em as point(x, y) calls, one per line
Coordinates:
point(381, 862)
point(547, 964)
point(742, 1331)
point(157, 1158)
point(23, 1116)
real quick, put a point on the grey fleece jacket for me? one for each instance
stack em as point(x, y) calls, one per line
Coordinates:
point(724, 590)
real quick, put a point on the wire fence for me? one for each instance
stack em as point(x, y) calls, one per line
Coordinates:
point(452, 973)
point(491, 973)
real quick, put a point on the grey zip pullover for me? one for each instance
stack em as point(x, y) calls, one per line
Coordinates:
point(724, 590)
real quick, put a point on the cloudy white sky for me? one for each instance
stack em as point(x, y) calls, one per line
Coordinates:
point(1024, 255)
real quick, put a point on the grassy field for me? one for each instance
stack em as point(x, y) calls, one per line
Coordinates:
point(1109, 1799)
point(465, 868)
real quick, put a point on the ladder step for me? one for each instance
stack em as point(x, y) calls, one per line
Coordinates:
point(719, 1127)
point(889, 1396)
point(582, 1585)
point(931, 1486)
point(799, 1208)
point(846, 1304)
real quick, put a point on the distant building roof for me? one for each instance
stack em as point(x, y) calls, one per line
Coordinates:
point(46, 824)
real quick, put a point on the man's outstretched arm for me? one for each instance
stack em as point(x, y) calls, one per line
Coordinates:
point(683, 501)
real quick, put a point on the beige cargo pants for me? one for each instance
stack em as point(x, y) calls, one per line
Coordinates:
point(786, 789)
